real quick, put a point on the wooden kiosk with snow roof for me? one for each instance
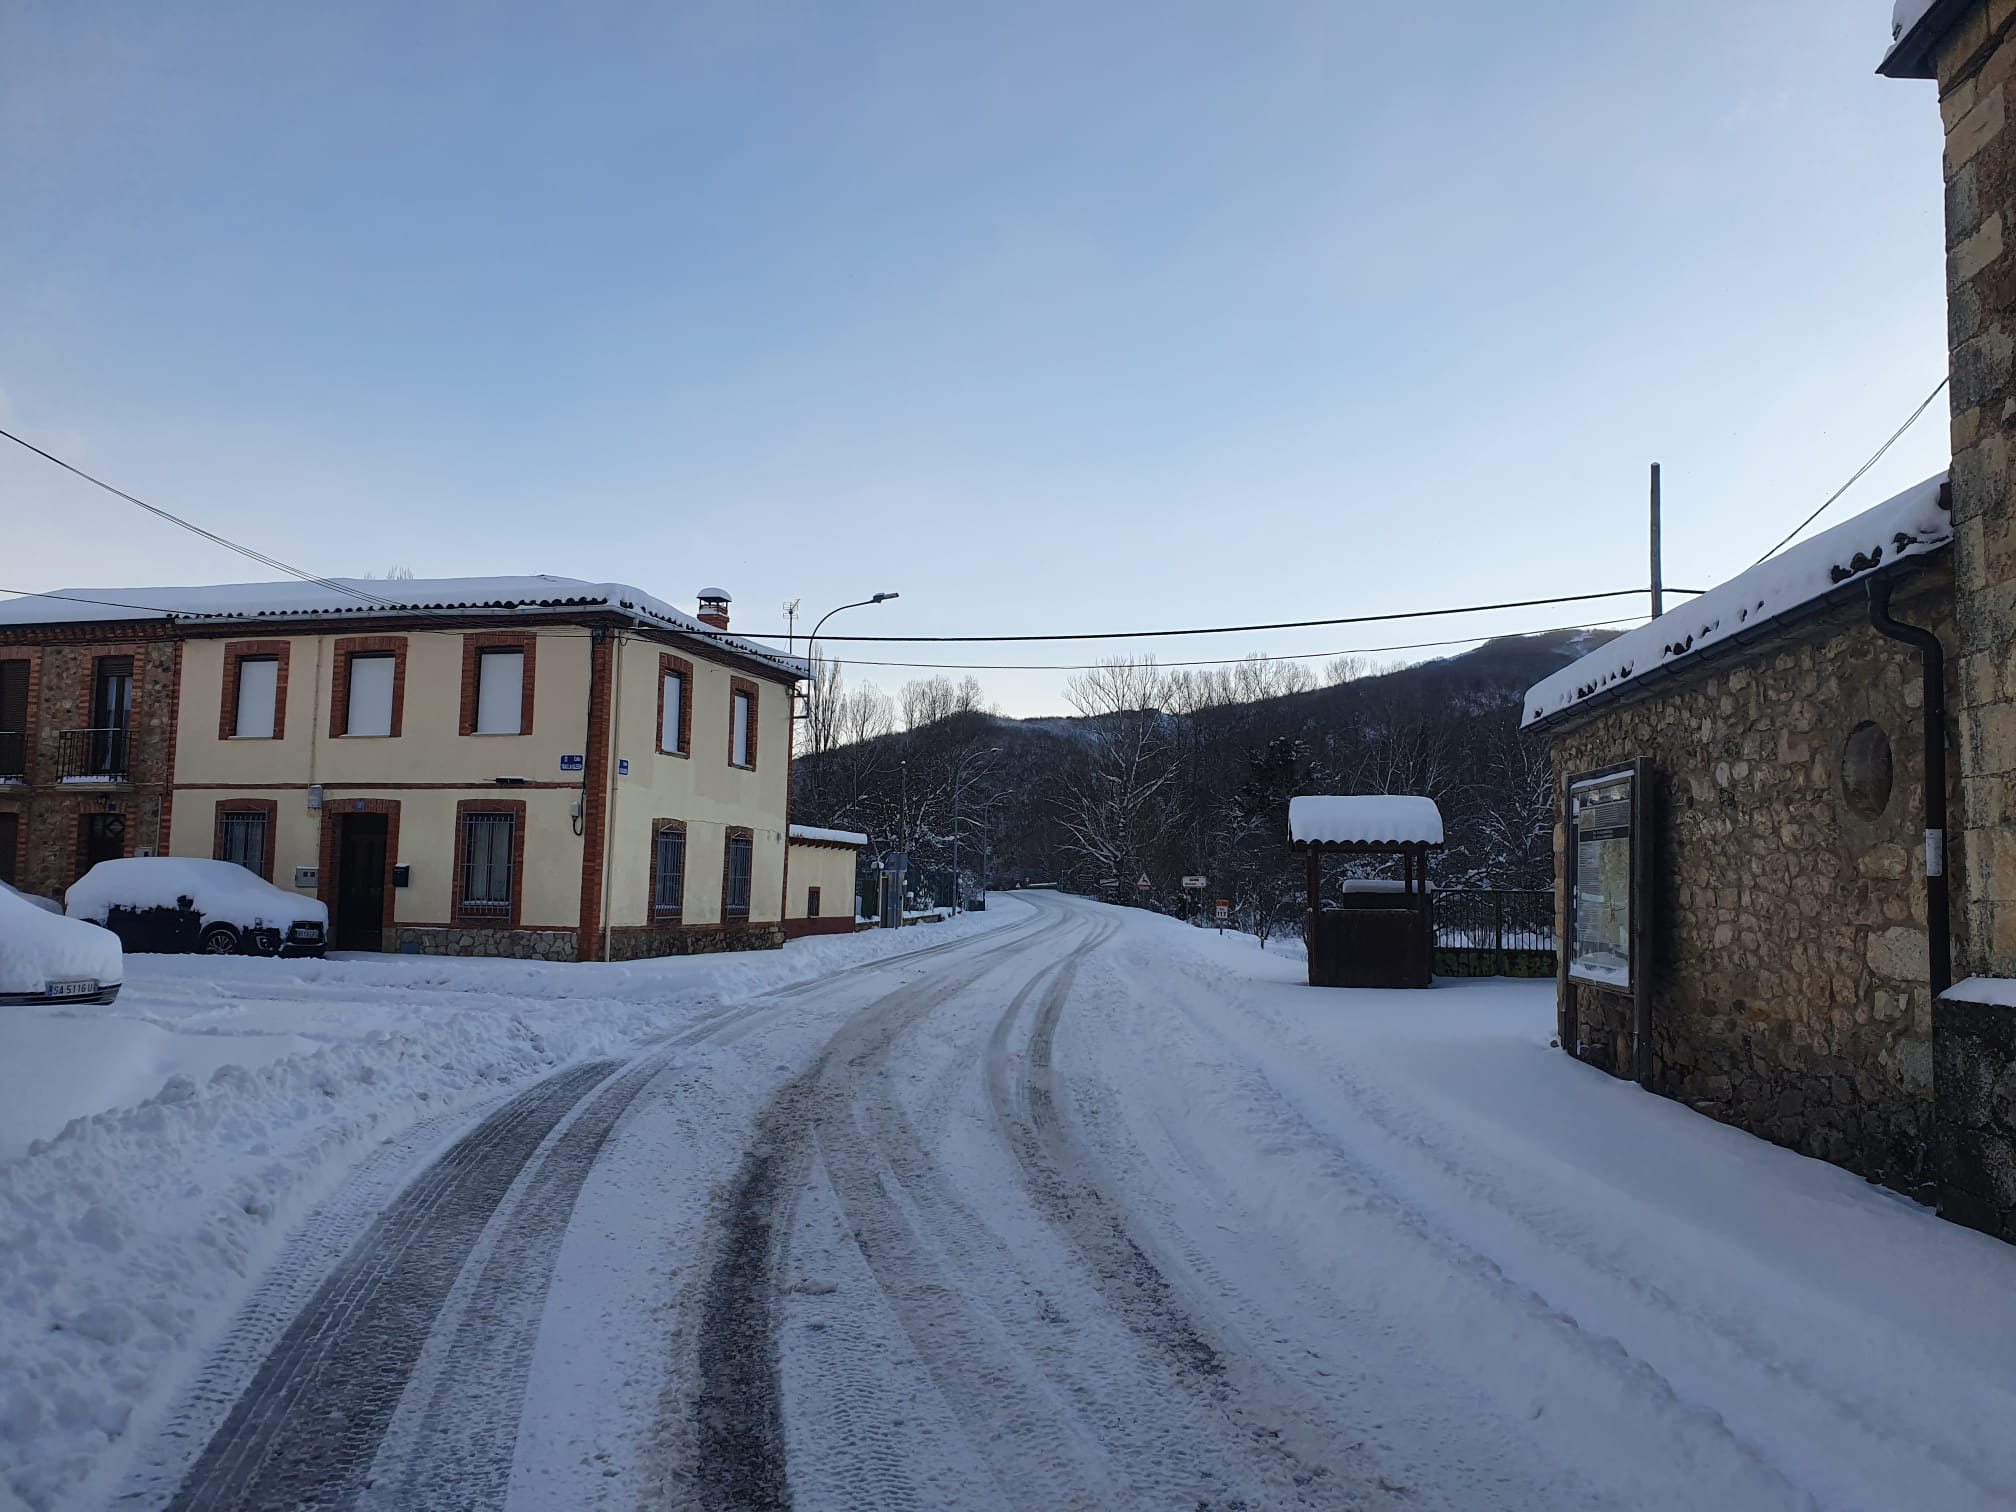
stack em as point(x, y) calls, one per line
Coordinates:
point(1379, 932)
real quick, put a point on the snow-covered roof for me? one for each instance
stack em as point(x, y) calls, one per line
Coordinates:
point(813, 835)
point(1364, 819)
point(1912, 524)
point(372, 598)
point(1914, 28)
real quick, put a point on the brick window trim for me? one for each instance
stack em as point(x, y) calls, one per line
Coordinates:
point(325, 876)
point(270, 807)
point(669, 666)
point(473, 647)
point(88, 702)
point(652, 912)
point(515, 807)
point(743, 685)
point(31, 734)
point(737, 920)
point(348, 646)
point(236, 652)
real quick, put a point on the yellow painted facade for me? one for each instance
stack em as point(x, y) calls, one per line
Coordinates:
point(830, 870)
point(430, 766)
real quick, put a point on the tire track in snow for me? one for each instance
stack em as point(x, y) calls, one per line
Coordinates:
point(735, 1458)
point(1065, 1190)
point(305, 1431)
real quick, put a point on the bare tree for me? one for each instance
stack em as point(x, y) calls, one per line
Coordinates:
point(1118, 801)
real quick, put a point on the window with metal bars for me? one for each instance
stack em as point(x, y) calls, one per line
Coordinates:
point(486, 863)
point(241, 838)
point(735, 896)
point(668, 892)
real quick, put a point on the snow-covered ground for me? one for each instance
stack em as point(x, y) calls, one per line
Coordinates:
point(154, 1153)
point(1079, 1207)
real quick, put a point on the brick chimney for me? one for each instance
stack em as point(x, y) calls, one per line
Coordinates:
point(714, 607)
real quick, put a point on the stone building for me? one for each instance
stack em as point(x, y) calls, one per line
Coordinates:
point(1785, 920)
point(1968, 47)
point(87, 731)
point(527, 766)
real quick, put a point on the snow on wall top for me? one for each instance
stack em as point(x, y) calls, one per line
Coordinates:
point(1913, 523)
point(371, 598)
point(1909, 55)
point(813, 833)
point(1365, 819)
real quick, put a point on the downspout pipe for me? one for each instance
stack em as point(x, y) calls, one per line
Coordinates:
point(1932, 663)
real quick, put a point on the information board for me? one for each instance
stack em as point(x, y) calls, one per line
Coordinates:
point(1602, 831)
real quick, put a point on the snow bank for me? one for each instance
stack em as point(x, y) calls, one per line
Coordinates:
point(1912, 524)
point(127, 1239)
point(219, 889)
point(363, 598)
point(814, 834)
point(37, 948)
point(1369, 819)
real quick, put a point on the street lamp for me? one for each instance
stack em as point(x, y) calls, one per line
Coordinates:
point(812, 640)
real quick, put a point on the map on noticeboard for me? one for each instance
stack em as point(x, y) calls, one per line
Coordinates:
point(1600, 815)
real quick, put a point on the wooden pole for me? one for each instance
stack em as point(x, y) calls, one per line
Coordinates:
point(1658, 583)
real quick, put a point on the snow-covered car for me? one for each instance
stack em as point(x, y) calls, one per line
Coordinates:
point(167, 904)
point(47, 905)
point(46, 958)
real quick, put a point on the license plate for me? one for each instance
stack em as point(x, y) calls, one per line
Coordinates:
point(73, 989)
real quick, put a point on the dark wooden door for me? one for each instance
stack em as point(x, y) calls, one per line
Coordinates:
point(360, 882)
point(100, 837)
point(10, 848)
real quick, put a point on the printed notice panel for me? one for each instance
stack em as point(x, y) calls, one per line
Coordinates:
point(1600, 820)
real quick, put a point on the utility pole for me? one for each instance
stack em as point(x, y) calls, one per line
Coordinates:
point(791, 626)
point(1658, 583)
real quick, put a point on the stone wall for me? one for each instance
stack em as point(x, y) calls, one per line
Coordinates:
point(1974, 1059)
point(518, 944)
point(51, 812)
point(1977, 72)
point(1790, 962)
point(642, 942)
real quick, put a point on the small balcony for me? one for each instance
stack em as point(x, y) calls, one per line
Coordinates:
point(93, 755)
point(13, 756)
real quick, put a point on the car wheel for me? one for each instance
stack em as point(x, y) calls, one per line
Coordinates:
point(220, 939)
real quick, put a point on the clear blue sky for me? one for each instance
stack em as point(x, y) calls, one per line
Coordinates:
point(1052, 316)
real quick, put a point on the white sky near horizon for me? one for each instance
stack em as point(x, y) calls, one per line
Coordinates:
point(1052, 318)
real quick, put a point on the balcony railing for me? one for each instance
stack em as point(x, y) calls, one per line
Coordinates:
point(92, 755)
point(13, 756)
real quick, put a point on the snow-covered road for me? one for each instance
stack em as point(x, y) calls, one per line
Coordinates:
point(1076, 1207)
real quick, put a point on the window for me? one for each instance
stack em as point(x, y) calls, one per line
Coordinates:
point(811, 902)
point(367, 694)
point(735, 884)
point(13, 719)
point(369, 708)
point(675, 687)
point(488, 840)
point(668, 873)
point(111, 716)
point(500, 692)
point(258, 697)
point(742, 724)
point(242, 838)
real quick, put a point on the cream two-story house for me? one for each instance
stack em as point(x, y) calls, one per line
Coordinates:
point(529, 766)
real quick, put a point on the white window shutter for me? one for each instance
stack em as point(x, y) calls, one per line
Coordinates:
point(668, 733)
point(370, 711)
point(258, 684)
point(500, 688)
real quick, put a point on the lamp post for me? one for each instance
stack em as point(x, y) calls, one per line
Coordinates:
point(812, 656)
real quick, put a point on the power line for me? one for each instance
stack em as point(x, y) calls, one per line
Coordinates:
point(189, 525)
point(1317, 624)
point(1857, 476)
point(1235, 661)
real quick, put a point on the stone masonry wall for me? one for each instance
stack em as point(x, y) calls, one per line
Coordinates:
point(641, 943)
point(1977, 74)
point(50, 812)
point(518, 944)
point(1790, 962)
point(1974, 1053)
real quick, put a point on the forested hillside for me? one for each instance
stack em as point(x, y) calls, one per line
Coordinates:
point(1164, 773)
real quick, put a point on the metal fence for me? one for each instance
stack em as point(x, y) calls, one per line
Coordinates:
point(1485, 933)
